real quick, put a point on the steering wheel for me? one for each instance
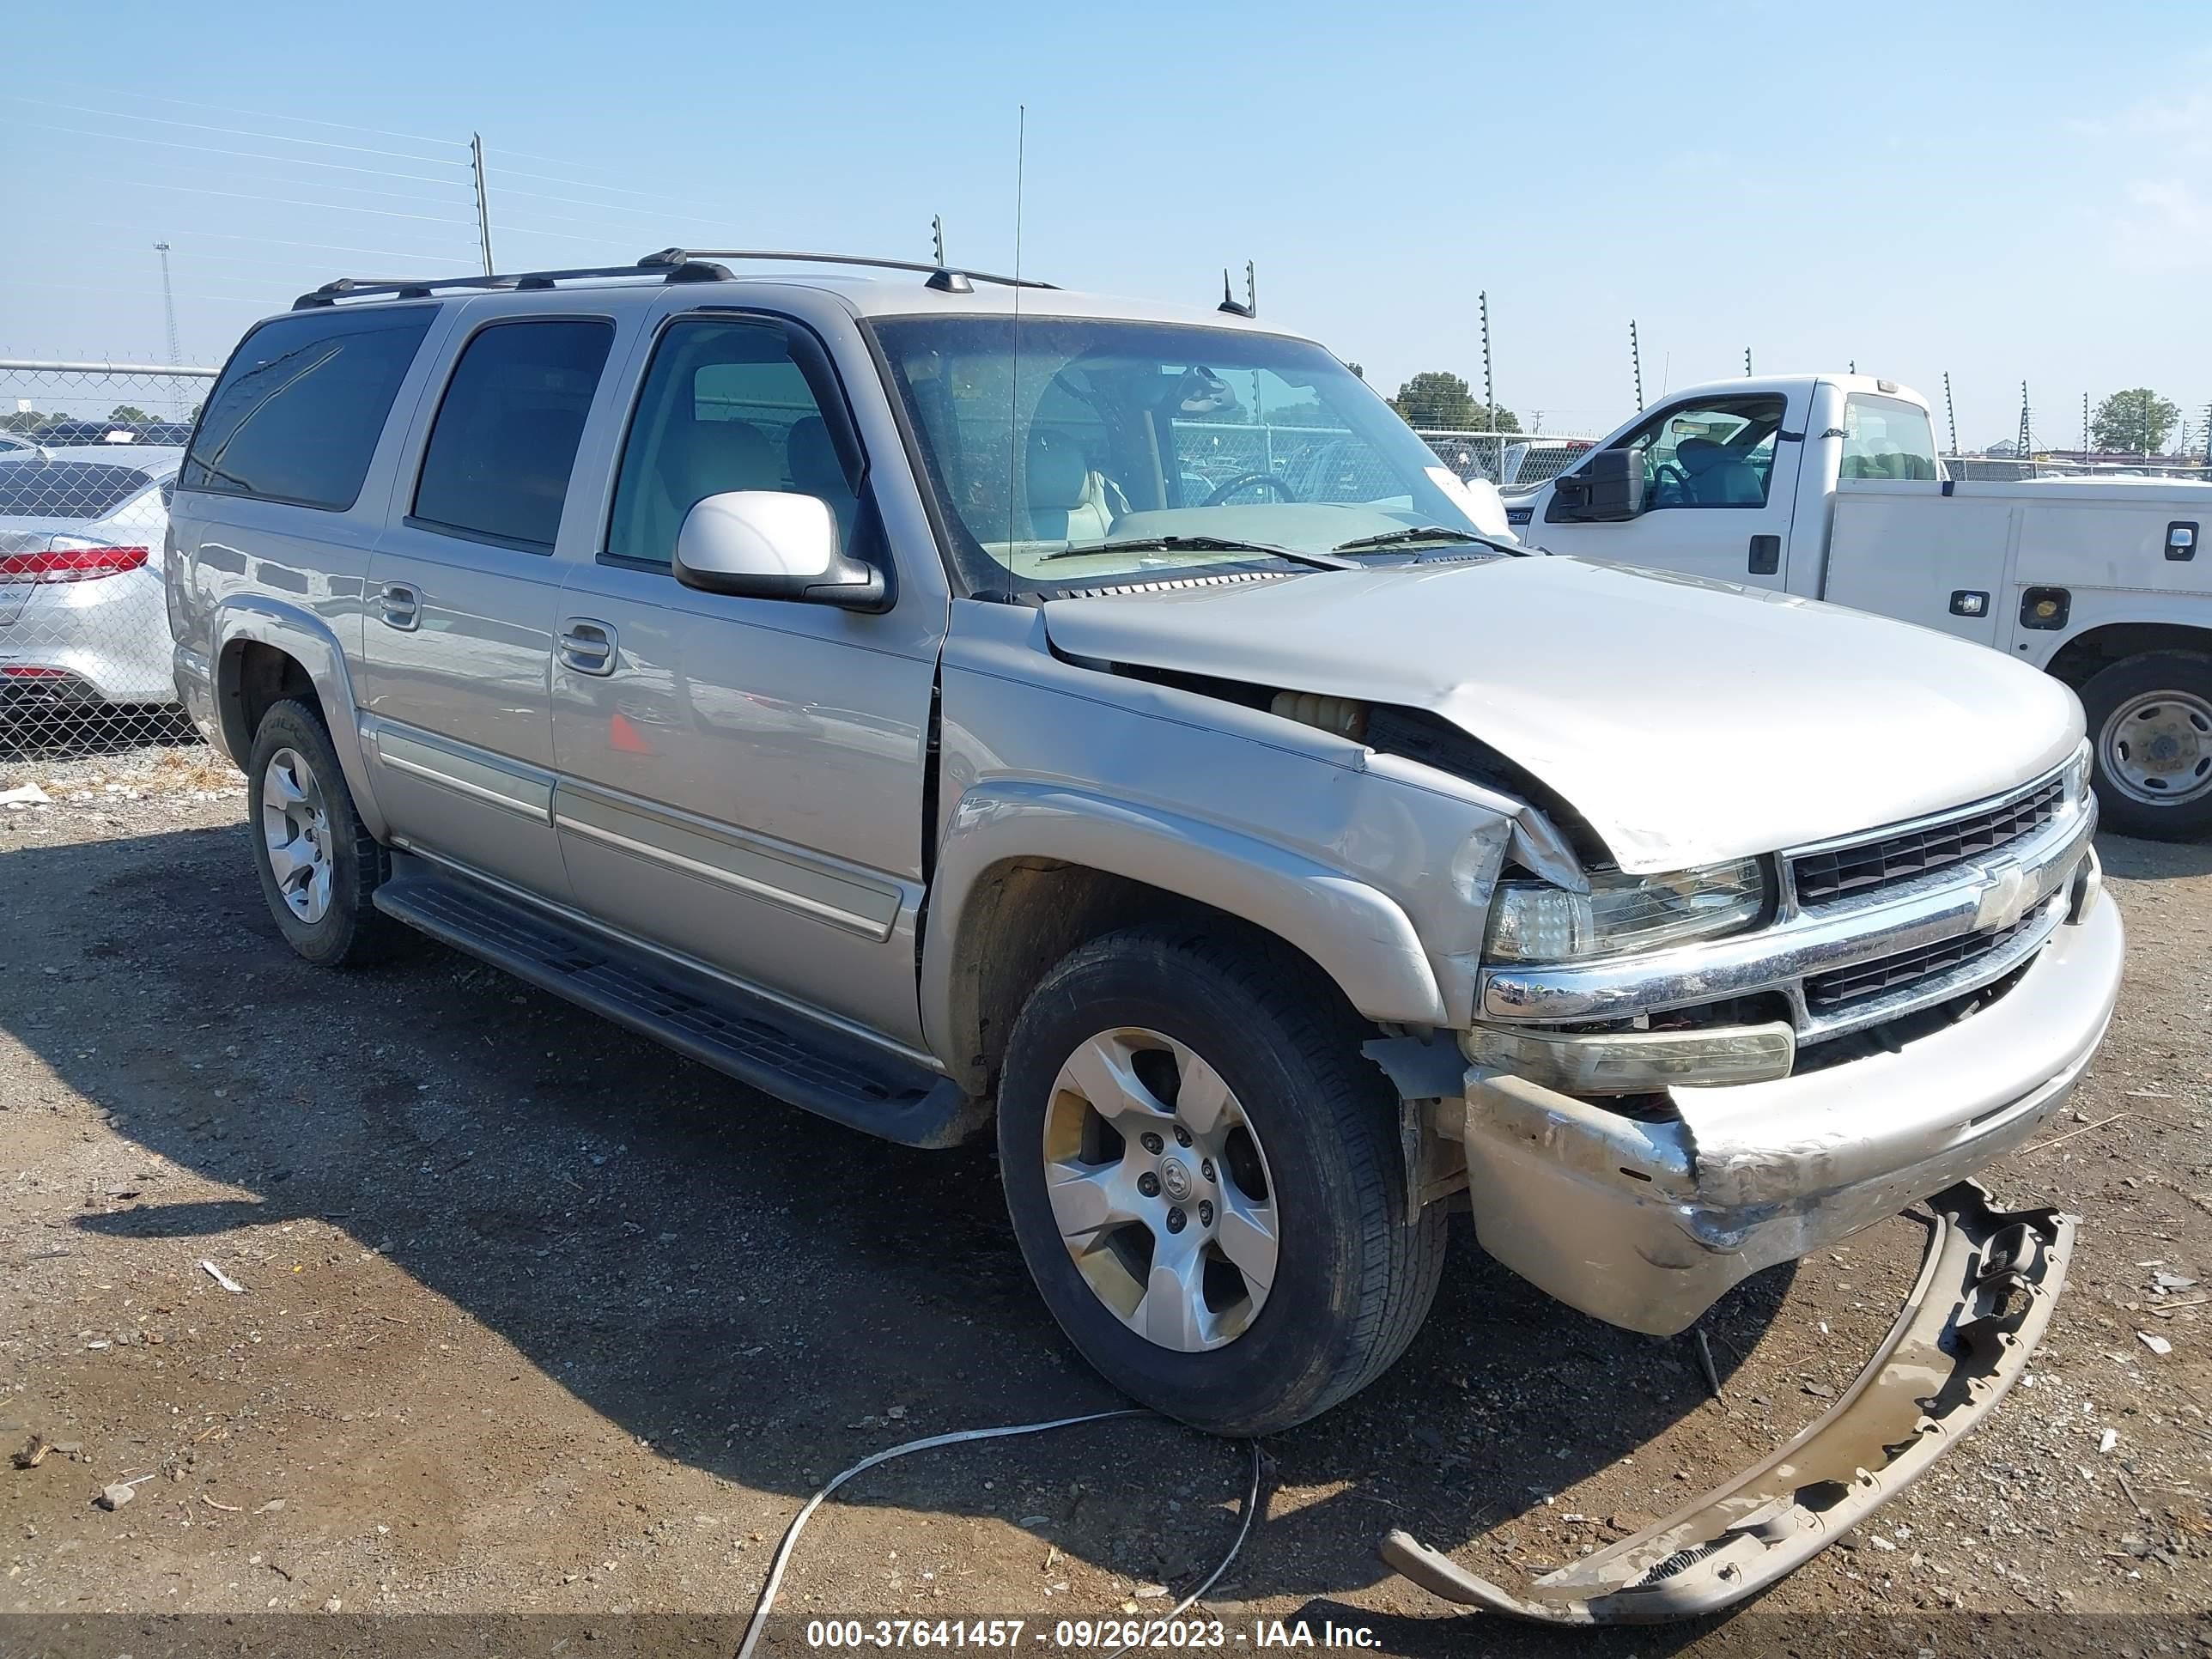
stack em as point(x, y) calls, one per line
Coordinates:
point(1282, 491)
point(1670, 484)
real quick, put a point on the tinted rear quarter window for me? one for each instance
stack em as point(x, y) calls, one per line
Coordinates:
point(66, 489)
point(505, 438)
point(297, 413)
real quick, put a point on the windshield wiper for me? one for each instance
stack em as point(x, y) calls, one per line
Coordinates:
point(1201, 545)
point(1433, 532)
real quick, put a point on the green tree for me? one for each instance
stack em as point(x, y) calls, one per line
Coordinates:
point(1436, 398)
point(2134, 423)
point(128, 412)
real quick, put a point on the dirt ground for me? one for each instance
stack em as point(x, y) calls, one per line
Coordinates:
point(540, 1326)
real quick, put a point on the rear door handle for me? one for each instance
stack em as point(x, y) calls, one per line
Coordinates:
point(401, 606)
point(586, 646)
point(1766, 555)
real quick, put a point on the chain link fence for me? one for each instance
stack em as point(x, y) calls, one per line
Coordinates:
point(88, 455)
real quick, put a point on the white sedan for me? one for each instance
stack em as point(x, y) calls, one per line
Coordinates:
point(83, 621)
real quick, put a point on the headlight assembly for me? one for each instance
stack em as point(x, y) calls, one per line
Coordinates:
point(1535, 921)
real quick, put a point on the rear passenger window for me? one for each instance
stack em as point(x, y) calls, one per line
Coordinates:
point(504, 441)
point(725, 407)
point(298, 411)
point(1886, 438)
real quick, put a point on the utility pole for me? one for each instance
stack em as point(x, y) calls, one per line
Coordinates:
point(484, 204)
point(1635, 364)
point(1747, 362)
point(1951, 411)
point(2085, 428)
point(169, 317)
point(1489, 393)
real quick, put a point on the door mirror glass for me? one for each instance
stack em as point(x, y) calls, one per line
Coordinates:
point(1607, 486)
point(772, 544)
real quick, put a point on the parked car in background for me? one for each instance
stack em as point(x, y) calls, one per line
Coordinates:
point(1829, 487)
point(83, 623)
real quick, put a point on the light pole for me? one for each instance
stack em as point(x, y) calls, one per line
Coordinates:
point(169, 317)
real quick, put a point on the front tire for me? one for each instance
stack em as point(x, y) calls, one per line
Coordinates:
point(2150, 721)
point(1205, 1179)
point(319, 865)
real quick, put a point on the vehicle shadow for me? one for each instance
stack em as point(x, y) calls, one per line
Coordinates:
point(744, 1286)
point(2154, 861)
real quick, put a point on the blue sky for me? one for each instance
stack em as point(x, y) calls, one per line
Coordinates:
point(2022, 192)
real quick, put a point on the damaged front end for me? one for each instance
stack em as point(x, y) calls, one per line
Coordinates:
point(1982, 1302)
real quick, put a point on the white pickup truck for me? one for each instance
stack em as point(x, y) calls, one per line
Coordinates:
point(1829, 487)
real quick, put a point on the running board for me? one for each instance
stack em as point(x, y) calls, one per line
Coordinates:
point(758, 1042)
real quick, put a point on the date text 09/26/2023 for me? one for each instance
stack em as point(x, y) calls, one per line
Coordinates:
point(1083, 1635)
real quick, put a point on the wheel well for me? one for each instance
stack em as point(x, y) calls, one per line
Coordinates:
point(2079, 660)
point(1023, 915)
point(253, 676)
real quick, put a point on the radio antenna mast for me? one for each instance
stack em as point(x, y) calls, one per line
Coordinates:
point(1014, 333)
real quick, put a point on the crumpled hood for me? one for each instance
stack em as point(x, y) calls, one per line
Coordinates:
point(1687, 720)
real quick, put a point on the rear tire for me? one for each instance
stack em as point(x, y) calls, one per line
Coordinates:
point(1247, 1022)
point(319, 867)
point(2150, 725)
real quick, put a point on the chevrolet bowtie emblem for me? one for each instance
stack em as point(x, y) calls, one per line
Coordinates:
point(2011, 892)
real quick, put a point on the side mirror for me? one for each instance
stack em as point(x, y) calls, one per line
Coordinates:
point(1607, 487)
point(770, 544)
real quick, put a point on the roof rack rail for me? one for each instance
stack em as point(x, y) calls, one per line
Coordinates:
point(948, 278)
point(678, 269)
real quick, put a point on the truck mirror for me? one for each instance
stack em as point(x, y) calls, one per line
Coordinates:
point(1607, 486)
point(772, 544)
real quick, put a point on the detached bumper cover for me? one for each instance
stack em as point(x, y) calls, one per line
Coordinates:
point(1982, 1300)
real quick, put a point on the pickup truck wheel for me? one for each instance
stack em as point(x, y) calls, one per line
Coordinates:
point(318, 865)
point(1205, 1179)
point(2151, 719)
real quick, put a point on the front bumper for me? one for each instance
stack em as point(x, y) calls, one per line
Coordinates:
point(1646, 1224)
point(1982, 1303)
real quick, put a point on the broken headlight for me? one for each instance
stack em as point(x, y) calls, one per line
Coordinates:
point(1535, 921)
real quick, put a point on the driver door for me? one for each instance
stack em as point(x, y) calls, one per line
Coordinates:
point(1720, 480)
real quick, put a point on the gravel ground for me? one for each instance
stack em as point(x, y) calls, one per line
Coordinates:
point(537, 1319)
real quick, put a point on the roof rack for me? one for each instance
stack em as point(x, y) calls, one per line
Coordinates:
point(947, 278)
point(671, 264)
point(678, 269)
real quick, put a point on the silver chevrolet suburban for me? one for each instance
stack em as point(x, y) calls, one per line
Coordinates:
point(941, 702)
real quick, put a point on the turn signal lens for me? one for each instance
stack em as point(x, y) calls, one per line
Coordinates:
point(1633, 1062)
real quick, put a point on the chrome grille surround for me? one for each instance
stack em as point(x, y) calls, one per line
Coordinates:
point(1850, 868)
point(1966, 924)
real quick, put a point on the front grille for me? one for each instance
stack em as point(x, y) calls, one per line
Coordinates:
point(1844, 872)
point(1827, 993)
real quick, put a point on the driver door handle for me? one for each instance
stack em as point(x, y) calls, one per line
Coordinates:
point(1766, 555)
point(587, 647)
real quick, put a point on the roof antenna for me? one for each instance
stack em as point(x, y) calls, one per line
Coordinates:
point(1251, 305)
point(1014, 334)
point(944, 279)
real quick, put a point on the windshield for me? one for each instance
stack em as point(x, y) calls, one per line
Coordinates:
point(1106, 450)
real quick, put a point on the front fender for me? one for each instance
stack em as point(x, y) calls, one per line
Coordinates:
point(1358, 936)
point(255, 619)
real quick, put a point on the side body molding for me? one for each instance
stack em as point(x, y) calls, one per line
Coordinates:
point(256, 619)
point(1358, 936)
